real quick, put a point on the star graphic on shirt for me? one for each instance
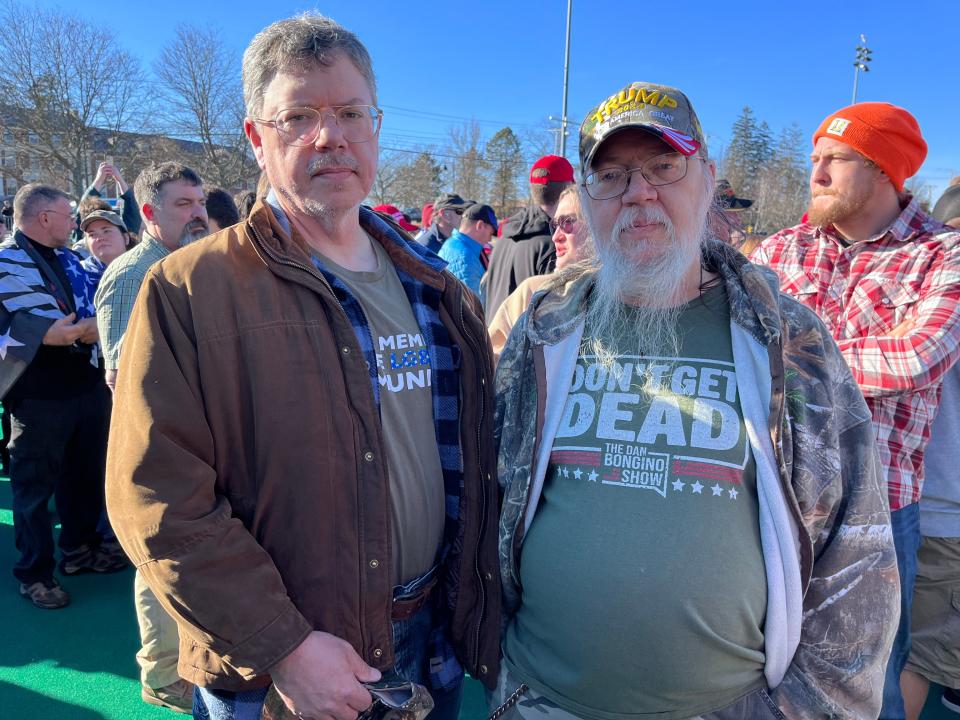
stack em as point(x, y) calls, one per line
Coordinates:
point(678, 485)
point(566, 473)
point(697, 487)
point(577, 473)
point(733, 493)
point(717, 490)
point(6, 342)
point(592, 477)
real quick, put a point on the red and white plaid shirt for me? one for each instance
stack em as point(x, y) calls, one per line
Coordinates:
point(892, 303)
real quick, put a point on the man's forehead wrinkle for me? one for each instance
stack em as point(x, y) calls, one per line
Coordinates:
point(641, 145)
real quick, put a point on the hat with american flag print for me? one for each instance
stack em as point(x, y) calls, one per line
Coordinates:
point(659, 109)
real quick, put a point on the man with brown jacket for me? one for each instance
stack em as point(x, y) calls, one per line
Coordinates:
point(272, 470)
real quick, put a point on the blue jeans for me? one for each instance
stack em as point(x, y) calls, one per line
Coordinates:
point(906, 540)
point(410, 641)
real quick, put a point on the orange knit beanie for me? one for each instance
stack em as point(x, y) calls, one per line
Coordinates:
point(884, 133)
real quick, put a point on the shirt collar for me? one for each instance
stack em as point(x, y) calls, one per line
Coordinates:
point(149, 240)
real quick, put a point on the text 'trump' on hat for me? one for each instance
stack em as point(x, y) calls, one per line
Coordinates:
point(662, 110)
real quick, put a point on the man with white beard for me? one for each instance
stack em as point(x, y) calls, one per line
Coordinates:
point(693, 523)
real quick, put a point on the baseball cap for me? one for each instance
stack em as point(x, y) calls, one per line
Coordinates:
point(660, 109)
point(481, 212)
point(551, 168)
point(449, 200)
point(109, 216)
point(394, 212)
point(726, 198)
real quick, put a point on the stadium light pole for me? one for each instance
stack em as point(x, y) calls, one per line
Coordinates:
point(566, 83)
point(861, 62)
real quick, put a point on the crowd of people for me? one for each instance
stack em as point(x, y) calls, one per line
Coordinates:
point(603, 454)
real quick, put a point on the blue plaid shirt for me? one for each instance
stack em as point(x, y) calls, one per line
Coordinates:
point(445, 671)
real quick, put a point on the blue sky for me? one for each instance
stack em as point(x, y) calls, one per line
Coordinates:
point(501, 61)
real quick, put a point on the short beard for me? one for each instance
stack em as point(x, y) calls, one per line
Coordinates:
point(655, 289)
point(191, 236)
point(317, 209)
point(842, 208)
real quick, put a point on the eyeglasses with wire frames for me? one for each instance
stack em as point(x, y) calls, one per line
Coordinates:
point(660, 170)
point(300, 126)
point(55, 212)
point(567, 223)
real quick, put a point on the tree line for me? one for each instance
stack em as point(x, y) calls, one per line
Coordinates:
point(71, 96)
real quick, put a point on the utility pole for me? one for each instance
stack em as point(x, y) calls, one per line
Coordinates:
point(566, 82)
point(861, 62)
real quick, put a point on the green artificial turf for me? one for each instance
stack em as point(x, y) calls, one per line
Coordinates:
point(78, 663)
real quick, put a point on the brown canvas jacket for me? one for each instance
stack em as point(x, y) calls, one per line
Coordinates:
point(246, 475)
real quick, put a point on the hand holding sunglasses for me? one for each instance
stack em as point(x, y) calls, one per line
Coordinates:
point(392, 700)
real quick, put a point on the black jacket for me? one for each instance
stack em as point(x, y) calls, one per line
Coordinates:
point(524, 250)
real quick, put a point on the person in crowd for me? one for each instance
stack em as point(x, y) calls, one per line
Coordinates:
point(524, 248)
point(444, 219)
point(465, 249)
point(885, 279)
point(106, 238)
point(52, 384)
point(572, 242)
point(693, 521)
point(727, 224)
point(947, 209)
point(426, 218)
point(934, 628)
point(126, 201)
point(174, 214)
point(318, 534)
point(222, 211)
point(396, 214)
point(87, 205)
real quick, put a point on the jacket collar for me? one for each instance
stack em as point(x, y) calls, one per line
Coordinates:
point(412, 258)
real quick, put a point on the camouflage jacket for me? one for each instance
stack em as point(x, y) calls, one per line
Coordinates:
point(833, 602)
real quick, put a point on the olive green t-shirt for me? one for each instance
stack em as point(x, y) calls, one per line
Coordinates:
point(644, 588)
point(406, 415)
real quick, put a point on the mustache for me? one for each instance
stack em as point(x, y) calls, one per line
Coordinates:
point(329, 160)
point(639, 215)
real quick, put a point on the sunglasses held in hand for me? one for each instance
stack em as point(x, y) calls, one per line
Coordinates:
point(392, 700)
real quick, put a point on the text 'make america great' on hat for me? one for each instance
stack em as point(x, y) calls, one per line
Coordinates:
point(662, 110)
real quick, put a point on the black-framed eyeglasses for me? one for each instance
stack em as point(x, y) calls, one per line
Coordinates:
point(567, 223)
point(300, 126)
point(608, 183)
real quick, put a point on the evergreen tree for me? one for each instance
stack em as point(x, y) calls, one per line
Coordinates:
point(503, 156)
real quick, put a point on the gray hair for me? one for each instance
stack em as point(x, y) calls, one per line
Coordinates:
point(34, 198)
point(150, 182)
point(299, 43)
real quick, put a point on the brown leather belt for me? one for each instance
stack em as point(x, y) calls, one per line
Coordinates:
point(407, 607)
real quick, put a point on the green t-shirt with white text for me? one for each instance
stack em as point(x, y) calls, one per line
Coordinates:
point(644, 589)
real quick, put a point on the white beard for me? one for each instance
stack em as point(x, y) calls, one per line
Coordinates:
point(655, 288)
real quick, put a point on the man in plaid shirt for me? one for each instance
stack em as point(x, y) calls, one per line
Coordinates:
point(174, 214)
point(885, 279)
